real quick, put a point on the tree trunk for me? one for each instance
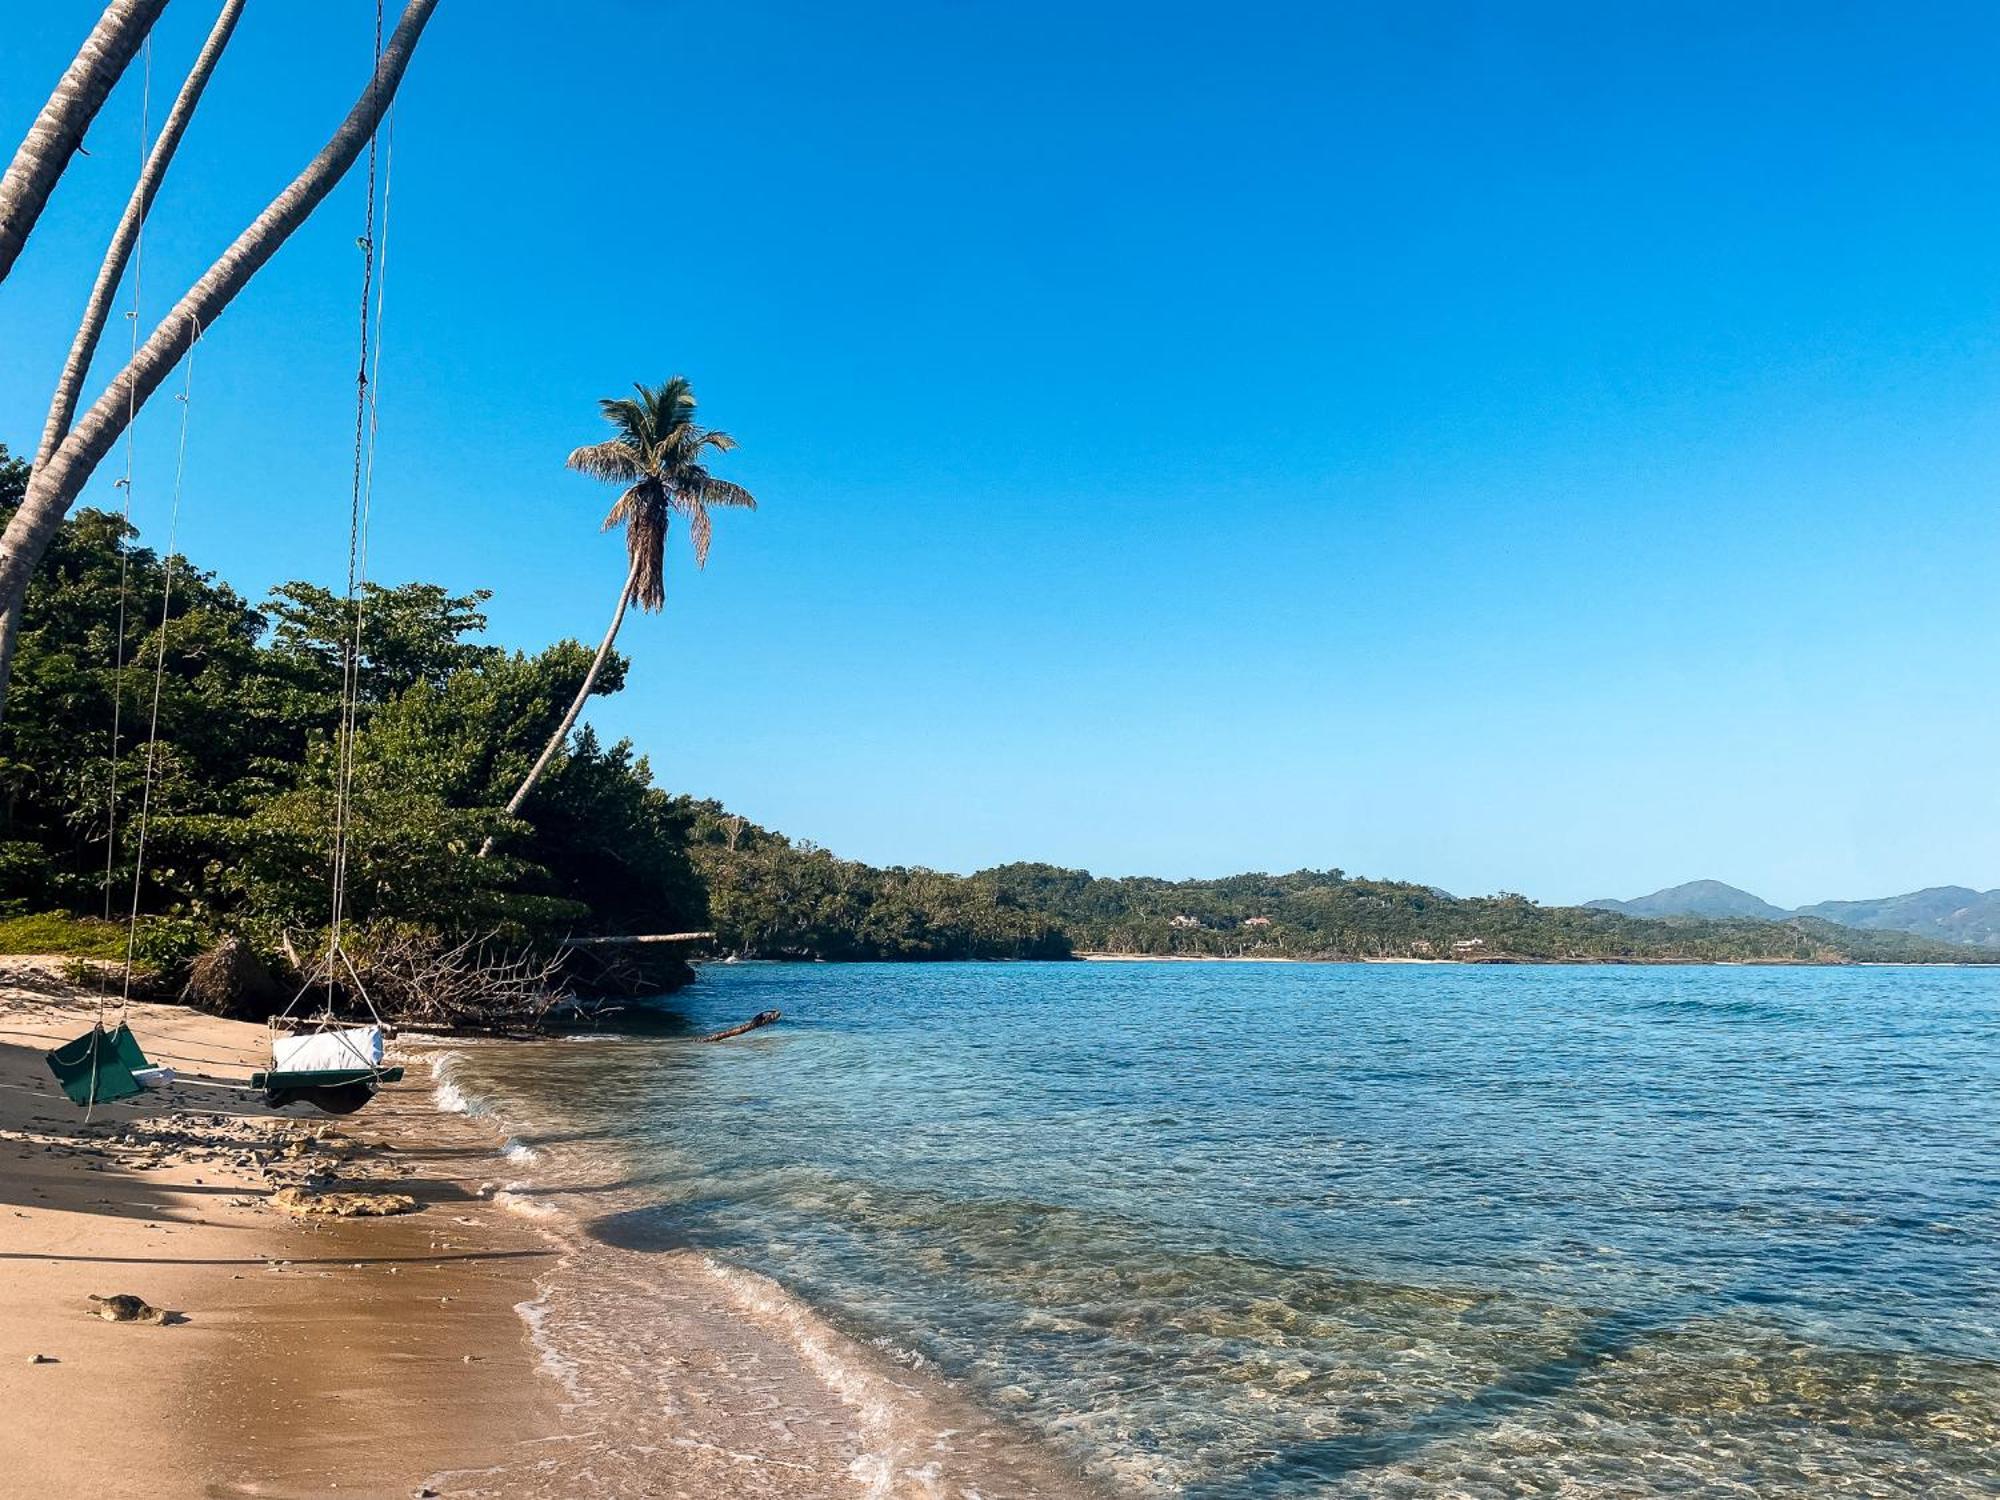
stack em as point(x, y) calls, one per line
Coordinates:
point(59, 129)
point(576, 705)
point(62, 409)
point(55, 487)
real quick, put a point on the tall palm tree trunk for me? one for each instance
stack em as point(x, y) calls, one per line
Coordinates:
point(62, 409)
point(83, 348)
point(59, 129)
point(54, 488)
point(576, 705)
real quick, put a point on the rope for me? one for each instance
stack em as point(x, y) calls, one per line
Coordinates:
point(159, 677)
point(367, 426)
point(124, 578)
point(125, 484)
point(356, 568)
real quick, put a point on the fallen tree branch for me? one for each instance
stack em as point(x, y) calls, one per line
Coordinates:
point(647, 937)
point(762, 1018)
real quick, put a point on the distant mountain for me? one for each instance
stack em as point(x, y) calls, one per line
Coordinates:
point(1709, 899)
point(1942, 913)
point(1950, 913)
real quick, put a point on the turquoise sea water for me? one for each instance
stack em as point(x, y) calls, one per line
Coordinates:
point(1285, 1230)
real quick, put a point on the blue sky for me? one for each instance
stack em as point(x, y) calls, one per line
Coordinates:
point(1547, 448)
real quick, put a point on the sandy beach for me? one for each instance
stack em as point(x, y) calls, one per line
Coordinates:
point(306, 1356)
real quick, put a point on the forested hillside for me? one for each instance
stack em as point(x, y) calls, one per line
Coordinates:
point(1322, 913)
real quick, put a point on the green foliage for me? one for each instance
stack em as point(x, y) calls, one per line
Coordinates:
point(771, 898)
point(65, 935)
point(244, 772)
point(1329, 914)
point(244, 810)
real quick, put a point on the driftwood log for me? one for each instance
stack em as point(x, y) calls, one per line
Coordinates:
point(762, 1018)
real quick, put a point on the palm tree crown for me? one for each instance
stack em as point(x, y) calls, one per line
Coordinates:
point(658, 453)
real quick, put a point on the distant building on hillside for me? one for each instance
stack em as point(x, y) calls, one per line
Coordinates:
point(1256, 921)
point(1468, 945)
point(1184, 921)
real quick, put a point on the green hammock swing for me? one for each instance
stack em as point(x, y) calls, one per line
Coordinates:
point(99, 1066)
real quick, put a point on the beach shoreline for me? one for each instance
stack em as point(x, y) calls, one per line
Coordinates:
point(493, 1343)
point(307, 1355)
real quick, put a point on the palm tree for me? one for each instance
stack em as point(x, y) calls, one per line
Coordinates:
point(69, 389)
point(59, 129)
point(658, 455)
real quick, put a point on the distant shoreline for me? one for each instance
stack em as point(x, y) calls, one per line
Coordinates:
point(1505, 960)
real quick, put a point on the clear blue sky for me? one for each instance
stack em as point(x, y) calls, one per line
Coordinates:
point(1541, 447)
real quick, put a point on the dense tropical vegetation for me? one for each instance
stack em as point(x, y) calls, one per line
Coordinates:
point(241, 796)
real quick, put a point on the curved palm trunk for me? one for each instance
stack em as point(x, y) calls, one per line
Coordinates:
point(59, 129)
point(576, 705)
point(54, 488)
point(83, 348)
point(69, 389)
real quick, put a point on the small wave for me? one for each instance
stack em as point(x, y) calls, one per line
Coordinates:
point(516, 1151)
point(448, 1097)
point(885, 1466)
point(554, 1363)
point(513, 1199)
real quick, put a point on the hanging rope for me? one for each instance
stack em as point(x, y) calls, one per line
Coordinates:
point(356, 572)
point(367, 425)
point(125, 484)
point(159, 677)
point(124, 583)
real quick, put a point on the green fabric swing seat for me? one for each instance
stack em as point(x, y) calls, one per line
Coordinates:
point(99, 1066)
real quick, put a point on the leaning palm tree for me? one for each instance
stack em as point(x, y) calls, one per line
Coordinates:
point(59, 129)
point(658, 455)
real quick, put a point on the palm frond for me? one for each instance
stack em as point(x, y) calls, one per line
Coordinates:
point(700, 529)
point(658, 454)
point(633, 419)
point(721, 492)
point(611, 460)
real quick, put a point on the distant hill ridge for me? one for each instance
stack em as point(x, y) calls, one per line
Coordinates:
point(1943, 913)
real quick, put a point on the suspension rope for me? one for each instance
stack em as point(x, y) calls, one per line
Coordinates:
point(159, 676)
point(125, 484)
point(124, 583)
point(356, 569)
point(367, 425)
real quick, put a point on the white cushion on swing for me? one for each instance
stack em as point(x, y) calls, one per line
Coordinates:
point(327, 1051)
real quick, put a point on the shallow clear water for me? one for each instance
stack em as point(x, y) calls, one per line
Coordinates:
point(1276, 1230)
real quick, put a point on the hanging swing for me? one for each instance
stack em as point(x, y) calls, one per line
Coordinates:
point(320, 1058)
